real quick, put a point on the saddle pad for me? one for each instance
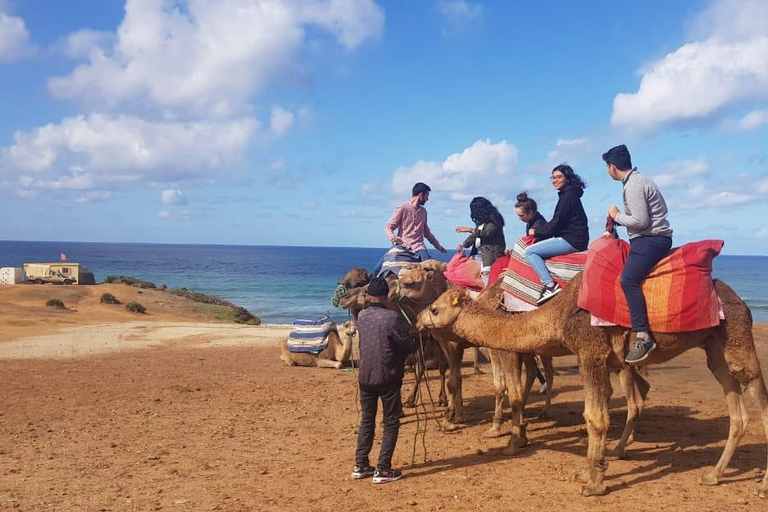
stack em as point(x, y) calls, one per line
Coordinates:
point(679, 291)
point(310, 335)
point(465, 272)
point(395, 259)
point(523, 283)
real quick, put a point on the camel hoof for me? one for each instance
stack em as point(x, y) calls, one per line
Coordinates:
point(581, 477)
point(510, 450)
point(450, 427)
point(409, 405)
point(709, 479)
point(442, 403)
point(616, 454)
point(762, 493)
point(594, 490)
point(493, 433)
point(544, 415)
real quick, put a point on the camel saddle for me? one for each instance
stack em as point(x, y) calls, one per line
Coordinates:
point(521, 284)
point(310, 335)
point(679, 291)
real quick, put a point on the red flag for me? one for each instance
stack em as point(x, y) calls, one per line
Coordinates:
point(63, 257)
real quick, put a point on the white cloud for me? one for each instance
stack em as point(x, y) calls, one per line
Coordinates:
point(480, 168)
point(94, 196)
point(762, 233)
point(753, 120)
point(280, 120)
point(725, 69)
point(88, 152)
point(679, 173)
point(458, 15)
point(565, 147)
point(180, 215)
point(208, 58)
point(14, 38)
point(173, 196)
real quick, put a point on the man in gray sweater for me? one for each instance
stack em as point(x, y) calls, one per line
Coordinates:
point(650, 239)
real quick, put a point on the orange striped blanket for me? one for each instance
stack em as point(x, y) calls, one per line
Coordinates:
point(523, 284)
point(679, 291)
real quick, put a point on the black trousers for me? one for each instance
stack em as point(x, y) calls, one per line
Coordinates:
point(644, 253)
point(391, 407)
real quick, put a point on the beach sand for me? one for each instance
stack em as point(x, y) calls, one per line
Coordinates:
point(101, 409)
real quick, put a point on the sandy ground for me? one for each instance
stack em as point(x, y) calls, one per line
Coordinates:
point(100, 410)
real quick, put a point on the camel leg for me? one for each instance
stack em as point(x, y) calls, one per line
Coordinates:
point(760, 396)
point(529, 360)
point(285, 356)
point(512, 365)
point(455, 411)
point(476, 353)
point(737, 411)
point(597, 388)
point(442, 366)
point(635, 389)
point(549, 376)
point(499, 387)
point(410, 401)
point(327, 363)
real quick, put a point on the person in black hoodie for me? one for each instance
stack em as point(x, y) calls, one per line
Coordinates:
point(384, 345)
point(528, 211)
point(567, 232)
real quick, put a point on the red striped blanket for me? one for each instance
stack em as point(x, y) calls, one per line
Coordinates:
point(679, 291)
point(522, 282)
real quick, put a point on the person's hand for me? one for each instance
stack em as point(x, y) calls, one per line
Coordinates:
point(531, 232)
point(507, 252)
point(607, 234)
point(613, 211)
point(463, 229)
point(441, 249)
point(460, 248)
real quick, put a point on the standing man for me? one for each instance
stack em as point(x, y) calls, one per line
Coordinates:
point(650, 238)
point(410, 220)
point(384, 345)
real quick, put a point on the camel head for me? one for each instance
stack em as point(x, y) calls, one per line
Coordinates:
point(347, 335)
point(356, 277)
point(354, 300)
point(421, 284)
point(444, 311)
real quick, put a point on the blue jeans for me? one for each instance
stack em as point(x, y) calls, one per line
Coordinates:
point(423, 254)
point(536, 254)
point(644, 253)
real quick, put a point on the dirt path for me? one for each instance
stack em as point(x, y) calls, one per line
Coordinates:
point(177, 427)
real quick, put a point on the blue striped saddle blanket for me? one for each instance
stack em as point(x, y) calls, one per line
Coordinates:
point(310, 335)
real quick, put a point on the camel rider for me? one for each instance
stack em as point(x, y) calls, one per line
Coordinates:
point(384, 345)
point(410, 221)
point(650, 239)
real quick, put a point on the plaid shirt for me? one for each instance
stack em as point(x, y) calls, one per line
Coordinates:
point(411, 221)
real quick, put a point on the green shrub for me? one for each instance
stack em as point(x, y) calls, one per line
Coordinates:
point(55, 303)
point(108, 298)
point(135, 307)
point(233, 313)
point(131, 281)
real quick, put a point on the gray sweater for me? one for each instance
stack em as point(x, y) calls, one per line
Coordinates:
point(645, 211)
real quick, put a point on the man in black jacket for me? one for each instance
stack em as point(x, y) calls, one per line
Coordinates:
point(384, 345)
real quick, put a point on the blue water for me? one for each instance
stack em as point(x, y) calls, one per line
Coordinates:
point(280, 284)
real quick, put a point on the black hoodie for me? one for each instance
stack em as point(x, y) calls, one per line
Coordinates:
point(569, 220)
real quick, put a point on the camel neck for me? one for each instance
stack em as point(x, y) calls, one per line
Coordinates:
point(520, 332)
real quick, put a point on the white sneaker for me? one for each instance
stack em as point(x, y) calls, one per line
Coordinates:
point(548, 293)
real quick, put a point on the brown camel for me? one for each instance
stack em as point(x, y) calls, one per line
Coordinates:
point(338, 351)
point(559, 326)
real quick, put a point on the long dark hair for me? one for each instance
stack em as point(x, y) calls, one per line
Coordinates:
point(571, 178)
point(482, 210)
point(526, 203)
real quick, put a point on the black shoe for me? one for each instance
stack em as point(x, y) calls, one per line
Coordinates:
point(382, 477)
point(360, 472)
point(549, 292)
point(643, 346)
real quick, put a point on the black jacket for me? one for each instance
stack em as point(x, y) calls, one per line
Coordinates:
point(492, 243)
point(384, 345)
point(569, 220)
point(535, 222)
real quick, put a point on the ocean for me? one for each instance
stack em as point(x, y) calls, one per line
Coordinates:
point(281, 284)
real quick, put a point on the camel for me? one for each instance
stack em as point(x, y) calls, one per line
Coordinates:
point(418, 286)
point(559, 326)
point(335, 355)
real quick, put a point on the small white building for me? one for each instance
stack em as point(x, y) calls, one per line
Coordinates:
point(10, 275)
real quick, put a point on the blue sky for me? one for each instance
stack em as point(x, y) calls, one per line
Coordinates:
point(306, 122)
